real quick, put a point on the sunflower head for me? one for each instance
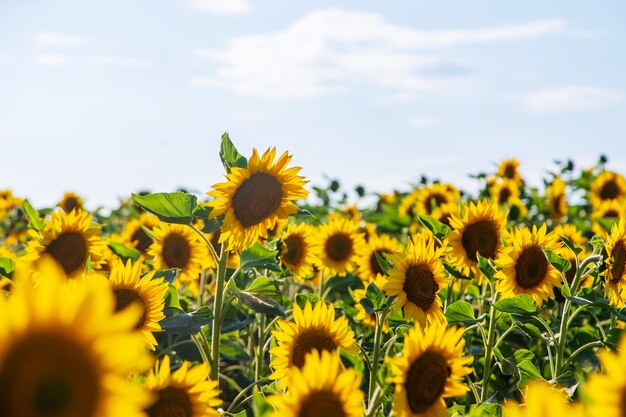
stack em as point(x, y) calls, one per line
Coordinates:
point(508, 169)
point(504, 191)
point(525, 267)
point(416, 278)
point(368, 266)
point(615, 273)
point(435, 196)
point(187, 392)
point(608, 186)
point(556, 199)
point(339, 242)
point(542, 400)
point(299, 250)
point(8, 202)
point(479, 230)
point(516, 210)
point(314, 328)
point(430, 369)
point(607, 391)
point(134, 234)
point(605, 214)
point(71, 201)
point(254, 198)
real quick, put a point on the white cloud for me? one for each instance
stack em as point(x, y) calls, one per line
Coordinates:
point(221, 6)
point(52, 60)
point(418, 122)
point(51, 39)
point(333, 50)
point(571, 98)
point(118, 61)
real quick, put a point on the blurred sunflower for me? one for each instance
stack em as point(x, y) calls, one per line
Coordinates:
point(607, 186)
point(542, 400)
point(508, 169)
point(416, 278)
point(314, 328)
point(605, 214)
point(615, 273)
point(177, 246)
point(254, 198)
point(299, 251)
point(362, 316)
point(525, 267)
point(70, 239)
point(556, 199)
point(134, 234)
point(607, 392)
point(129, 287)
point(63, 351)
point(407, 204)
point(71, 201)
point(321, 388)
point(368, 266)
point(430, 198)
point(517, 210)
point(478, 230)
point(571, 232)
point(187, 392)
point(430, 369)
point(339, 242)
point(505, 191)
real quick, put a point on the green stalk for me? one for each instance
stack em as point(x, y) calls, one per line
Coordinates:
point(381, 316)
point(489, 351)
point(217, 315)
point(260, 342)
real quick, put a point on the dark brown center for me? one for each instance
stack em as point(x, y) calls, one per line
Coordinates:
point(142, 238)
point(257, 198)
point(69, 249)
point(338, 247)
point(531, 267)
point(425, 381)
point(125, 297)
point(609, 190)
point(611, 213)
point(70, 204)
point(509, 171)
point(294, 253)
point(481, 237)
point(420, 286)
point(433, 201)
point(308, 340)
point(176, 251)
point(322, 404)
point(619, 262)
point(374, 265)
point(171, 402)
point(504, 195)
point(215, 241)
point(48, 375)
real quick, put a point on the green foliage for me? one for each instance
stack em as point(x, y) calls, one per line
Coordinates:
point(177, 207)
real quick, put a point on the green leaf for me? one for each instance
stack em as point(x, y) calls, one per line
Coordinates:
point(177, 207)
point(520, 304)
point(438, 229)
point(485, 266)
point(528, 372)
point(260, 303)
point(367, 305)
point(124, 252)
point(229, 155)
point(36, 222)
point(171, 298)
point(376, 296)
point(459, 311)
point(561, 264)
point(575, 249)
point(382, 262)
point(212, 225)
point(453, 271)
point(303, 212)
point(7, 266)
point(258, 256)
point(168, 274)
point(233, 351)
point(186, 324)
point(202, 211)
point(485, 410)
point(267, 287)
point(302, 299)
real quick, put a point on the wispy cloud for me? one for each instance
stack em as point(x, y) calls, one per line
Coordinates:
point(331, 50)
point(418, 122)
point(119, 61)
point(51, 60)
point(222, 7)
point(572, 98)
point(52, 39)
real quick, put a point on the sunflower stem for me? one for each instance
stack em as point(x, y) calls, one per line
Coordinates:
point(260, 342)
point(217, 315)
point(375, 402)
point(378, 334)
point(491, 333)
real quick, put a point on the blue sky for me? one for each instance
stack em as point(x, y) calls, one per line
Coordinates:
point(109, 97)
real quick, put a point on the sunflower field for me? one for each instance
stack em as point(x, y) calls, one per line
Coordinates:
point(272, 297)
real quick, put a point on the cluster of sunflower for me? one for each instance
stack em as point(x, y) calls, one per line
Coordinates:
point(259, 302)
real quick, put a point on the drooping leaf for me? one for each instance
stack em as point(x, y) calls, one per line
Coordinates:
point(177, 207)
point(186, 324)
point(485, 266)
point(575, 249)
point(438, 229)
point(383, 263)
point(561, 264)
point(375, 295)
point(267, 287)
point(528, 372)
point(520, 304)
point(125, 252)
point(7, 266)
point(168, 274)
point(260, 303)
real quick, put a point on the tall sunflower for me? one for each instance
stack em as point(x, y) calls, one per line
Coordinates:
point(254, 198)
point(134, 234)
point(70, 239)
point(71, 201)
point(187, 392)
point(368, 266)
point(508, 169)
point(543, 400)
point(504, 191)
point(314, 328)
point(416, 278)
point(607, 186)
point(129, 287)
point(332, 393)
point(299, 250)
point(525, 267)
point(432, 197)
point(339, 242)
point(64, 352)
point(615, 273)
point(177, 246)
point(607, 392)
point(556, 199)
point(430, 369)
point(478, 230)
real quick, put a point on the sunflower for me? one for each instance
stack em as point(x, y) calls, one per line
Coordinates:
point(607, 392)
point(615, 272)
point(177, 246)
point(542, 400)
point(504, 191)
point(254, 198)
point(407, 204)
point(430, 369)
point(368, 266)
point(416, 279)
point(134, 234)
point(556, 198)
point(64, 352)
point(299, 250)
point(8, 202)
point(332, 393)
point(362, 316)
point(339, 243)
point(525, 268)
point(186, 392)
point(571, 232)
point(430, 198)
point(70, 239)
point(478, 230)
point(606, 212)
point(508, 169)
point(130, 287)
point(71, 201)
point(517, 210)
point(314, 328)
point(607, 186)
